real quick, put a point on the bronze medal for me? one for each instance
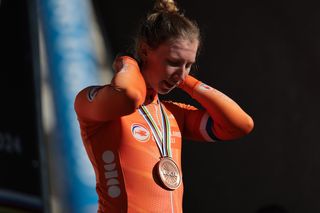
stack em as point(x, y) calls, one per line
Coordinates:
point(167, 170)
point(169, 173)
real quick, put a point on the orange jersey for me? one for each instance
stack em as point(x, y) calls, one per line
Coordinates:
point(122, 148)
point(124, 153)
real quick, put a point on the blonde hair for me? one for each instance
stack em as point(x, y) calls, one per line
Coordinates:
point(165, 22)
point(165, 5)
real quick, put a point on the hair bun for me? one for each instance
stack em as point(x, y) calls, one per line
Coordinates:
point(165, 6)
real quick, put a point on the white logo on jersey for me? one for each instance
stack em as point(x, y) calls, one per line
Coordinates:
point(92, 93)
point(111, 174)
point(205, 87)
point(176, 134)
point(140, 133)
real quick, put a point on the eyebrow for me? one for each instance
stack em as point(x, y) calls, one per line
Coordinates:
point(178, 60)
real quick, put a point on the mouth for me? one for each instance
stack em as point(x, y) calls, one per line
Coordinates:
point(169, 84)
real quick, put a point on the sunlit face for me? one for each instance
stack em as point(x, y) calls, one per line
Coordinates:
point(168, 65)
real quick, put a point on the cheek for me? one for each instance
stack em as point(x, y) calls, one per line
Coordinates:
point(169, 70)
point(155, 75)
point(162, 72)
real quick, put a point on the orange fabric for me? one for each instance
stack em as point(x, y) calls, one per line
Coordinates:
point(230, 121)
point(120, 98)
point(124, 153)
point(120, 144)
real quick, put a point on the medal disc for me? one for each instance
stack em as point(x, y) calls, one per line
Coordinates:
point(169, 173)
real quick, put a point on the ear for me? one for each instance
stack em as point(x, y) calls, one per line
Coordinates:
point(144, 49)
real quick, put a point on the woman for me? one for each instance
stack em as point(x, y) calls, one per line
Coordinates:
point(132, 138)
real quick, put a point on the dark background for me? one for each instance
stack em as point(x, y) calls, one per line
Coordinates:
point(21, 168)
point(264, 55)
point(19, 157)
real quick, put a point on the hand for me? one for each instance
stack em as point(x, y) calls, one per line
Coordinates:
point(121, 62)
point(118, 64)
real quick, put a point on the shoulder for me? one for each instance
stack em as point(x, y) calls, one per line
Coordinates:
point(177, 105)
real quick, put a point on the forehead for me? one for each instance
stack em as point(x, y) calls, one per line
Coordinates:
point(179, 48)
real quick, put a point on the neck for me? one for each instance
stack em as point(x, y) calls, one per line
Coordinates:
point(151, 93)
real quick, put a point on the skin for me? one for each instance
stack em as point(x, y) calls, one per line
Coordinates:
point(165, 67)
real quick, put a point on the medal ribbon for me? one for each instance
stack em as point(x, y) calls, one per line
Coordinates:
point(162, 139)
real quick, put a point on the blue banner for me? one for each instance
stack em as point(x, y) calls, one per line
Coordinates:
point(72, 65)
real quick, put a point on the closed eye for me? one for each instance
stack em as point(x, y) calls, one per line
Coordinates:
point(174, 63)
point(179, 64)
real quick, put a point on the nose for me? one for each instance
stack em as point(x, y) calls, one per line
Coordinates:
point(179, 75)
point(176, 77)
